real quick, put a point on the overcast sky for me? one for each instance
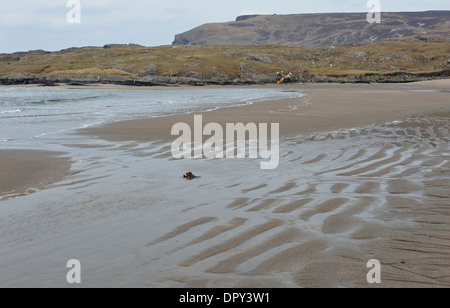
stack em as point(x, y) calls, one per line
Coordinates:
point(42, 24)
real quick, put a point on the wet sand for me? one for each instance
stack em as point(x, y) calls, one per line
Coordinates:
point(364, 174)
point(26, 171)
point(385, 200)
point(319, 223)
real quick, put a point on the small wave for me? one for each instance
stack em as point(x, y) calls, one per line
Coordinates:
point(91, 124)
point(51, 101)
point(44, 115)
point(11, 111)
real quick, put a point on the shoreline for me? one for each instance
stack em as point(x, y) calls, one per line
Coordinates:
point(323, 108)
point(220, 80)
point(440, 83)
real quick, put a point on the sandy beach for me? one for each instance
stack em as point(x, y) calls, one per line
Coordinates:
point(364, 174)
point(26, 171)
point(324, 108)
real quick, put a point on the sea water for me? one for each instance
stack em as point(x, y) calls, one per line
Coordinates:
point(31, 112)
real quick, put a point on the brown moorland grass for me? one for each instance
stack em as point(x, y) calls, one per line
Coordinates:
point(411, 55)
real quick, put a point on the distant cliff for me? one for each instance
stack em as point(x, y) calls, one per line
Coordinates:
point(313, 30)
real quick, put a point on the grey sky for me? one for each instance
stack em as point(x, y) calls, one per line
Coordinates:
point(41, 24)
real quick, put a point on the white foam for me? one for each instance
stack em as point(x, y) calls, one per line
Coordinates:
point(424, 90)
point(11, 111)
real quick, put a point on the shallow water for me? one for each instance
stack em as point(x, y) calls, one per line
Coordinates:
point(32, 112)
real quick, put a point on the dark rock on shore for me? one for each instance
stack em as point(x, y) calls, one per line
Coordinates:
point(245, 79)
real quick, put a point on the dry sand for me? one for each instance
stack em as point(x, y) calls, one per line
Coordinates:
point(323, 108)
point(438, 84)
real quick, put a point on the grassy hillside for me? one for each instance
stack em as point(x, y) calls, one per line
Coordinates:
point(219, 61)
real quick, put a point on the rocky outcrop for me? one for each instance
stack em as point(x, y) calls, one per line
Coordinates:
point(312, 30)
point(245, 17)
point(200, 80)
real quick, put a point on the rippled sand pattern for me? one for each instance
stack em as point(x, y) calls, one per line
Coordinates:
point(338, 200)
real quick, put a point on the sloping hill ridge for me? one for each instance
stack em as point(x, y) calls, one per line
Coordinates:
point(315, 30)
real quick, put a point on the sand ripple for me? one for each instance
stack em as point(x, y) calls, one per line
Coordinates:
point(344, 198)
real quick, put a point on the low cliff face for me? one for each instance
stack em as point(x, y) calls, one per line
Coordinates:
point(313, 30)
